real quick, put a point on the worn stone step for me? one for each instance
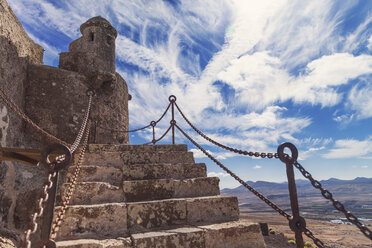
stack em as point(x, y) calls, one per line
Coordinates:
point(235, 234)
point(149, 157)
point(95, 173)
point(100, 221)
point(117, 159)
point(95, 243)
point(149, 148)
point(156, 189)
point(147, 215)
point(163, 171)
point(86, 193)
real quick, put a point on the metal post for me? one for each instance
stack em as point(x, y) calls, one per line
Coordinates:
point(294, 204)
point(296, 223)
point(172, 99)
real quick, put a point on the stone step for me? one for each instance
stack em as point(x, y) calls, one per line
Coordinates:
point(157, 189)
point(94, 173)
point(86, 193)
point(235, 234)
point(95, 243)
point(112, 220)
point(148, 215)
point(163, 171)
point(142, 148)
point(150, 157)
point(118, 159)
point(100, 221)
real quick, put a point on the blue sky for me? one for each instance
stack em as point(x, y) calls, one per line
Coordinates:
point(250, 74)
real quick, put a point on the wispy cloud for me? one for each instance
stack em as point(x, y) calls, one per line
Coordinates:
point(217, 174)
point(349, 148)
point(257, 167)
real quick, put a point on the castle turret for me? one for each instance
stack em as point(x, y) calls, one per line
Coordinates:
point(60, 93)
point(95, 50)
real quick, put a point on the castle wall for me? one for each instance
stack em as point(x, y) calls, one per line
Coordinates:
point(56, 100)
point(19, 184)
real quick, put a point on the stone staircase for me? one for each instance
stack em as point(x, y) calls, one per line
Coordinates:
point(151, 196)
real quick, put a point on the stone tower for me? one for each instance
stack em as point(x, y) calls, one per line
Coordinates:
point(89, 64)
point(95, 49)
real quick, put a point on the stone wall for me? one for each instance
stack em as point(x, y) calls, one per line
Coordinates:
point(12, 29)
point(56, 100)
point(17, 182)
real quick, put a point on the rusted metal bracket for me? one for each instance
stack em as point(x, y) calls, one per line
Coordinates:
point(296, 223)
point(23, 155)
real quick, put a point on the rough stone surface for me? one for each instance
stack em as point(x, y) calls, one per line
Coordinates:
point(87, 193)
point(157, 157)
point(94, 221)
point(146, 190)
point(133, 148)
point(240, 234)
point(62, 116)
point(144, 216)
point(163, 171)
point(212, 209)
point(12, 29)
point(187, 237)
point(107, 174)
point(94, 243)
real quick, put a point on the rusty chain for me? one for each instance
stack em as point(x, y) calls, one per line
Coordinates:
point(255, 192)
point(71, 186)
point(337, 205)
point(307, 232)
point(40, 209)
point(84, 124)
point(152, 123)
point(246, 153)
point(9, 102)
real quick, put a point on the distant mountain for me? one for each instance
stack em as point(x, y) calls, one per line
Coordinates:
point(359, 185)
point(299, 183)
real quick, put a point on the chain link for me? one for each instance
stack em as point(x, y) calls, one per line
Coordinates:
point(71, 186)
point(316, 241)
point(231, 149)
point(40, 210)
point(337, 205)
point(153, 123)
point(255, 192)
point(83, 125)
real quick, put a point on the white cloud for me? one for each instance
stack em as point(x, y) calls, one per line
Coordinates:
point(257, 167)
point(360, 100)
point(369, 46)
point(349, 148)
point(217, 174)
point(364, 166)
point(306, 154)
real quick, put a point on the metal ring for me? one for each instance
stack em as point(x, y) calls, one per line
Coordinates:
point(173, 122)
point(172, 98)
point(284, 157)
point(91, 92)
point(298, 223)
point(153, 123)
point(57, 166)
